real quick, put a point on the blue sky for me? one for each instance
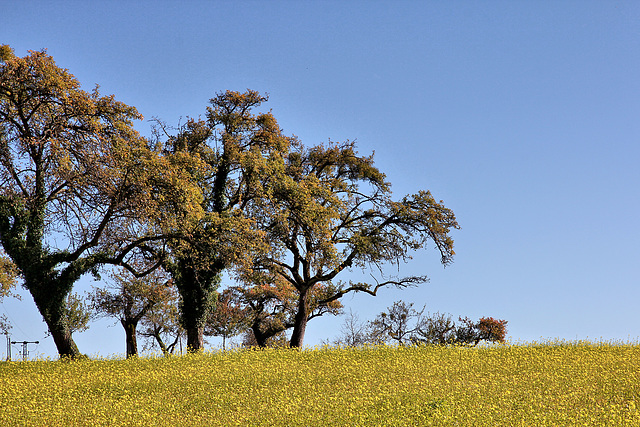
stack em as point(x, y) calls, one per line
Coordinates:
point(523, 117)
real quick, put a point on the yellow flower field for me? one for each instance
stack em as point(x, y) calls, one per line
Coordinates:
point(512, 385)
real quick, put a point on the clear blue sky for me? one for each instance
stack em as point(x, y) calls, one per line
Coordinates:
point(524, 117)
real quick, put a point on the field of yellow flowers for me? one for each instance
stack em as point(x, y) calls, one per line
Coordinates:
point(509, 385)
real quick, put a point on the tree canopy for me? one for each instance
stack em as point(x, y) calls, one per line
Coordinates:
point(76, 180)
point(238, 148)
point(331, 210)
point(80, 189)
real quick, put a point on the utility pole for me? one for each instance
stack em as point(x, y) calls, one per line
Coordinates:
point(25, 351)
point(8, 346)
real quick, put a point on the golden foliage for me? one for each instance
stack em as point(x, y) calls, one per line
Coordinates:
point(8, 275)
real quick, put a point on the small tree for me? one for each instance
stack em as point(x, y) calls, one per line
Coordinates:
point(438, 328)
point(5, 326)
point(400, 323)
point(161, 325)
point(8, 279)
point(8, 276)
point(353, 332)
point(130, 300)
point(486, 329)
point(272, 305)
point(228, 318)
point(77, 313)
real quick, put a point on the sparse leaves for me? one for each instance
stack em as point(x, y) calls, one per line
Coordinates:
point(402, 324)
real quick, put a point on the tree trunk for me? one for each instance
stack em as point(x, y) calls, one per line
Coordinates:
point(198, 291)
point(67, 348)
point(158, 337)
point(300, 325)
point(195, 339)
point(51, 304)
point(131, 338)
point(261, 339)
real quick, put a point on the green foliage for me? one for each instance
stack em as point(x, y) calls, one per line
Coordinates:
point(77, 313)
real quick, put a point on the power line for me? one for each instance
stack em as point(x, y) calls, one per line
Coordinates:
point(25, 348)
point(13, 322)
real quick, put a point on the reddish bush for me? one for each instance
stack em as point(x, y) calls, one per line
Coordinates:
point(491, 329)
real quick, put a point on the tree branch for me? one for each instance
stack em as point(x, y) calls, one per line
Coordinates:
point(366, 288)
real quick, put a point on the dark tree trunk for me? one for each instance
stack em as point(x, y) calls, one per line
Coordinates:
point(197, 288)
point(163, 347)
point(195, 339)
point(131, 337)
point(51, 305)
point(67, 348)
point(301, 319)
point(261, 338)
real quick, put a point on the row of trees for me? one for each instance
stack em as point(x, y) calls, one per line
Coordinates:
point(82, 190)
point(155, 308)
point(402, 324)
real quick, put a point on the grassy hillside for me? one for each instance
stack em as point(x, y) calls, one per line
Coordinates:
point(550, 384)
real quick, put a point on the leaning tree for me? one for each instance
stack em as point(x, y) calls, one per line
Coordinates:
point(331, 210)
point(75, 179)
